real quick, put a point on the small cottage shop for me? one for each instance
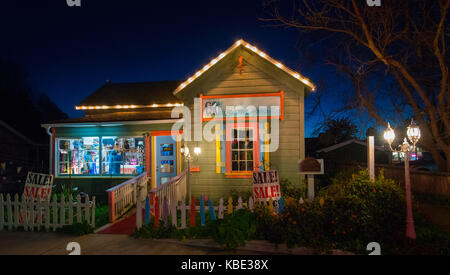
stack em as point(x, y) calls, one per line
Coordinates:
point(128, 128)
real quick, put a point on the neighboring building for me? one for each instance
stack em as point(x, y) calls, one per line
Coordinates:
point(127, 127)
point(18, 155)
point(353, 150)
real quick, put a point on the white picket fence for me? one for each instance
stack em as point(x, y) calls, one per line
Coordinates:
point(33, 214)
point(166, 210)
point(122, 197)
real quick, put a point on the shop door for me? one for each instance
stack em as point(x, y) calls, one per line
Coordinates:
point(166, 159)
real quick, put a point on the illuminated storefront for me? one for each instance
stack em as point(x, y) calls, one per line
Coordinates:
point(128, 127)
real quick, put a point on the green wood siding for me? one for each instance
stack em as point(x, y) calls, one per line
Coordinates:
point(291, 134)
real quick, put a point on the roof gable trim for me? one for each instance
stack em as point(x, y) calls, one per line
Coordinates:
point(262, 54)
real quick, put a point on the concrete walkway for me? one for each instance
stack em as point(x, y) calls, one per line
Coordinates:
point(33, 243)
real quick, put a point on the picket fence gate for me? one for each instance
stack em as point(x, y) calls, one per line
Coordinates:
point(32, 213)
point(152, 207)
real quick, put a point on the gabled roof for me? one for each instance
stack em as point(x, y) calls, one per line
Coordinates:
point(242, 43)
point(345, 143)
point(132, 96)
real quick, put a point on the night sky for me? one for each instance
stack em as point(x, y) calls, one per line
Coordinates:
point(69, 52)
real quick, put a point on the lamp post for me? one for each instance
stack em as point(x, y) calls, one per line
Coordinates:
point(413, 133)
point(188, 158)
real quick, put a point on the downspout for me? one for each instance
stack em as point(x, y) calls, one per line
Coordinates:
point(51, 132)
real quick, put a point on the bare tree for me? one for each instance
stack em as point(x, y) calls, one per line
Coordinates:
point(405, 41)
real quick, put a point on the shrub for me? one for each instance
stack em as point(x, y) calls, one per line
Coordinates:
point(354, 212)
point(76, 229)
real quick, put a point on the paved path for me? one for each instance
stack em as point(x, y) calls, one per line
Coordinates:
point(30, 243)
point(34, 243)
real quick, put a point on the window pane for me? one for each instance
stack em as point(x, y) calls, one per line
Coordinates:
point(242, 166)
point(167, 166)
point(234, 166)
point(250, 166)
point(78, 156)
point(123, 155)
point(234, 155)
point(166, 149)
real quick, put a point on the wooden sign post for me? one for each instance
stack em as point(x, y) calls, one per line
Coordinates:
point(311, 167)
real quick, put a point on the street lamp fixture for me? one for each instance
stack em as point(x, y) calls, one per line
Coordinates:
point(188, 158)
point(413, 133)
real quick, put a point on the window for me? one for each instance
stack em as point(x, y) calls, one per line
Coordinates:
point(242, 148)
point(78, 156)
point(166, 149)
point(123, 155)
point(167, 166)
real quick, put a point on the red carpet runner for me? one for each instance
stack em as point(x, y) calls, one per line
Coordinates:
point(123, 227)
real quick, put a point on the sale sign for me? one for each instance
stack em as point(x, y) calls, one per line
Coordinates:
point(266, 186)
point(38, 185)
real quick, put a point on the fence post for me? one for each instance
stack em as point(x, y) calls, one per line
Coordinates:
point(183, 213)
point(2, 213)
point(93, 212)
point(211, 210)
point(165, 211)
point(280, 206)
point(139, 212)
point(78, 208)
point(70, 210)
point(221, 209)
point(55, 213)
point(25, 215)
point(8, 206)
point(156, 211)
point(230, 206)
point(173, 212)
point(147, 210)
point(87, 207)
point(250, 204)
point(47, 215)
point(192, 218)
point(16, 211)
point(239, 206)
point(202, 211)
point(111, 206)
point(39, 213)
point(62, 213)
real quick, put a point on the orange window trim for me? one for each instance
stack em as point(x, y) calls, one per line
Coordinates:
point(280, 94)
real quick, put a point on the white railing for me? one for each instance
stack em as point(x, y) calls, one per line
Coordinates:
point(122, 197)
point(31, 214)
point(173, 190)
